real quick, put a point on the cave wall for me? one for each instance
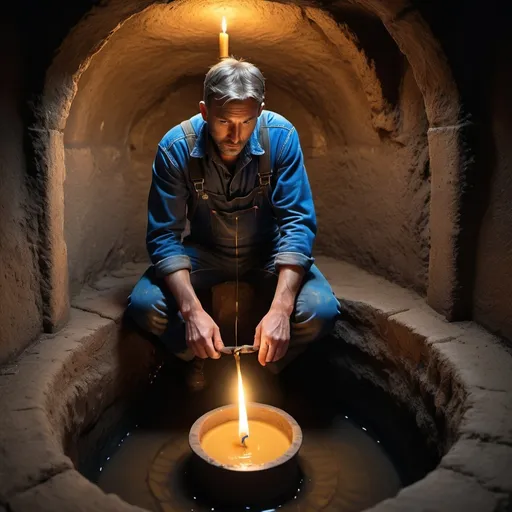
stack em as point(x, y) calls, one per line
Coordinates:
point(492, 301)
point(386, 173)
point(477, 41)
point(20, 304)
point(372, 198)
point(370, 178)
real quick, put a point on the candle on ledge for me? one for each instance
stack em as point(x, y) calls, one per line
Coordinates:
point(224, 40)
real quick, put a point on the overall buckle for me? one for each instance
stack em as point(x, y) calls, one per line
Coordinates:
point(199, 187)
point(264, 179)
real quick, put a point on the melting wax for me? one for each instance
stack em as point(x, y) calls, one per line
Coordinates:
point(265, 443)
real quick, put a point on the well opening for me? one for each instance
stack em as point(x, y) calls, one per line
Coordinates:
point(365, 436)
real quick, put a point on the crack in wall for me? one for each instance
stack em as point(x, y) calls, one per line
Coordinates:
point(504, 493)
point(486, 438)
point(88, 310)
point(45, 477)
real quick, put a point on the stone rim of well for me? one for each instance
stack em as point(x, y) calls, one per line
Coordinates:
point(42, 396)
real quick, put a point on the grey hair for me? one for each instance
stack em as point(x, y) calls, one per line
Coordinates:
point(234, 80)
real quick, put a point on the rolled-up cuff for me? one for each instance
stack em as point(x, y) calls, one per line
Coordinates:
point(172, 264)
point(293, 258)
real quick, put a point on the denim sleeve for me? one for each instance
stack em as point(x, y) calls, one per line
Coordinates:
point(293, 206)
point(167, 216)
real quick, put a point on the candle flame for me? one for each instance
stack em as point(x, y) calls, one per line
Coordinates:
point(224, 24)
point(243, 424)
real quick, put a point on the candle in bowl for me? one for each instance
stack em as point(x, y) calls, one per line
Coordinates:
point(266, 443)
point(245, 454)
point(218, 469)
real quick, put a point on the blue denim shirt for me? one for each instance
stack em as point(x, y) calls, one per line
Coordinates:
point(172, 193)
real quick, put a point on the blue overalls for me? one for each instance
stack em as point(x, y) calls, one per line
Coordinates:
point(241, 230)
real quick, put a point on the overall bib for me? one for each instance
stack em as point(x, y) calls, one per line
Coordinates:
point(245, 227)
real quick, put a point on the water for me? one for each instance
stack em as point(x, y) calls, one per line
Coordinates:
point(346, 465)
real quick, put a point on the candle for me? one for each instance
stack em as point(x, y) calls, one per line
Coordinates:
point(224, 40)
point(265, 444)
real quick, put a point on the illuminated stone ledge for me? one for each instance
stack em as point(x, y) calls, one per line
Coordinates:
point(460, 368)
point(64, 383)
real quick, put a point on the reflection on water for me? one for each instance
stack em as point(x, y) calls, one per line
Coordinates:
point(345, 466)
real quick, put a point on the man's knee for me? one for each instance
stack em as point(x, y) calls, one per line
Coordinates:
point(145, 303)
point(318, 312)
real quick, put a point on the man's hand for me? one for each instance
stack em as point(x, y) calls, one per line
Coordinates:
point(273, 335)
point(203, 334)
point(273, 332)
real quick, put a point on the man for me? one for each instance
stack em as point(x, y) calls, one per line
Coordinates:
point(237, 172)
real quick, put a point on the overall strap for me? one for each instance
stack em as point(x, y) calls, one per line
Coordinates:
point(265, 167)
point(195, 170)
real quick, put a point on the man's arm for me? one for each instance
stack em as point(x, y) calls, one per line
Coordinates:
point(290, 279)
point(166, 222)
point(293, 204)
point(167, 202)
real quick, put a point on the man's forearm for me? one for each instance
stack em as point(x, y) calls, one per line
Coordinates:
point(288, 285)
point(181, 288)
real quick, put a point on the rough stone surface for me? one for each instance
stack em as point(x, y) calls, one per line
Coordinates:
point(30, 440)
point(431, 69)
point(478, 359)
point(57, 389)
point(20, 298)
point(385, 10)
point(459, 369)
point(448, 278)
point(442, 491)
point(490, 464)
point(410, 333)
point(108, 296)
point(68, 492)
point(488, 416)
point(364, 290)
point(81, 370)
point(368, 144)
point(52, 246)
point(31, 452)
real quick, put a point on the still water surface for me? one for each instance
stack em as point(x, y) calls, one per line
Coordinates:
point(345, 466)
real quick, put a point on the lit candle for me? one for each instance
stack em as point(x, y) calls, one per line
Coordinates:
point(224, 40)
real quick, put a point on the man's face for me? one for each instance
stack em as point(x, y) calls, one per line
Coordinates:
point(231, 124)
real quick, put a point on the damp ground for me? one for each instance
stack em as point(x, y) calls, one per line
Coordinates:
point(358, 448)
